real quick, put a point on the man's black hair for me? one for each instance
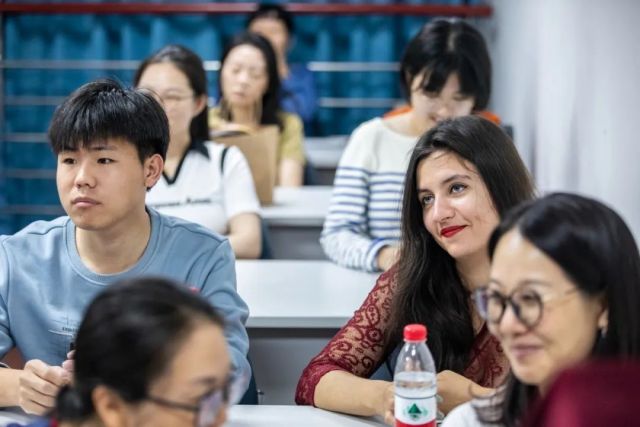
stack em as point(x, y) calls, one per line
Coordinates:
point(104, 109)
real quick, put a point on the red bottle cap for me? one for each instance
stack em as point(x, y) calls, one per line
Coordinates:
point(415, 332)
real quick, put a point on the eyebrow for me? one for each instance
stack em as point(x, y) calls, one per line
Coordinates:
point(177, 89)
point(102, 147)
point(454, 177)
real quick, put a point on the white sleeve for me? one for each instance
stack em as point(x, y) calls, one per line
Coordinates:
point(462, 416)
point(239, 190)
point(345, 237)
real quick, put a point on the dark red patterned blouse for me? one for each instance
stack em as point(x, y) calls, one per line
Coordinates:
point(358, 347)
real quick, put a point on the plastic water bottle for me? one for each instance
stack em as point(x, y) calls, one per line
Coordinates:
point(415, 381)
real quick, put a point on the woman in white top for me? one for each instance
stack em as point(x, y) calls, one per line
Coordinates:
point(563, 288)
point(445, 72)
point(202, 182)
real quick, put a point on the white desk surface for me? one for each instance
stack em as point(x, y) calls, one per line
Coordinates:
point(299, 206)
point(325, 152)
point(9, 416)
point(284, 415)
point(262, 416)
point(300, 293)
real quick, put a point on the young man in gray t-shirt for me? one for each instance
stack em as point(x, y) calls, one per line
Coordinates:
point(110, 143)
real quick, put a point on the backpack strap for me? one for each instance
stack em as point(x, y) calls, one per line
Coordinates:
point(222, 156)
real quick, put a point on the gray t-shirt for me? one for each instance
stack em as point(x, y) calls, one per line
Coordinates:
point(45, 287)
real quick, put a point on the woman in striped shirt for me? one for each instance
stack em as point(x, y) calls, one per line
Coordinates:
point(445, 72)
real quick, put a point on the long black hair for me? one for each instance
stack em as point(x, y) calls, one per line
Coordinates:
point(430, 290)
point(128, 337)
point(596, 250)
point(271, 97)
point(190, 64)
point(444, 47)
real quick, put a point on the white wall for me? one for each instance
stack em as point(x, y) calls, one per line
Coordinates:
point(567, 76)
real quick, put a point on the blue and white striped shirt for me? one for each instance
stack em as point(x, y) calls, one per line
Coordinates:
point(364, 215)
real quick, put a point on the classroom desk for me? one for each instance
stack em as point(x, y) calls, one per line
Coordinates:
point(295, 221)
point(13, 415)
point(261, 416)
point(296, 307)
point(324, 154)
point(282, 415)
point(300, 293)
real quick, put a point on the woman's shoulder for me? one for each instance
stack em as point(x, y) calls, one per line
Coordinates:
point(462, 416)
point(373, 125)
point(379, 129)
point(215, 119)
point(398, 126)
point(365, 133)
point(370, 142)
point(289, 120)
point(216, 150)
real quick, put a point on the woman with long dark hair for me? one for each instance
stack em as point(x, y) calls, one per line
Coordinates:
point(203, 182)
point(250, 98)
point(463, 175)
point(564, 287)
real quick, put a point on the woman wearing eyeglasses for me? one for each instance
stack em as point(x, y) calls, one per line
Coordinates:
point(202, 182)
point(148, 353)
point(463, 175)
point(564, 287)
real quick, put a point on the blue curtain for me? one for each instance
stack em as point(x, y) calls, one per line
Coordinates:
point(133, 37)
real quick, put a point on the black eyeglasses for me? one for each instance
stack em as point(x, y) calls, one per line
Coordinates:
point(527, 304)
point(207, 408)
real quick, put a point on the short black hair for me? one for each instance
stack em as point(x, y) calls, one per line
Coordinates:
point(274, 11)
point(105, 109)
point(443, 47)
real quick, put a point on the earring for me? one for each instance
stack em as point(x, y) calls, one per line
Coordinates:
point(603, 332)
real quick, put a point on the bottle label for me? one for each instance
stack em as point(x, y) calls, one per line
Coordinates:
point(415, 411)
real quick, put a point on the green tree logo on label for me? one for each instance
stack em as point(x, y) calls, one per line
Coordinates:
point(415, 412)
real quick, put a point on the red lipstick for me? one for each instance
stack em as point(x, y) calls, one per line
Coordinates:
point(451, 231)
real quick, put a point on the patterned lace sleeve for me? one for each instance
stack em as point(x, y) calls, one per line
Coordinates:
point(358, 346)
